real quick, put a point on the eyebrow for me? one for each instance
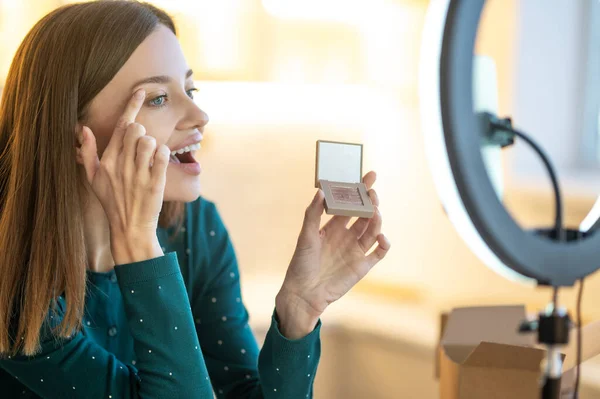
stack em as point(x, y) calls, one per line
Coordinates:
point(164, 79)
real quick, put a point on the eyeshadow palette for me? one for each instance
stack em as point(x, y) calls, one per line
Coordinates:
point(338, 173)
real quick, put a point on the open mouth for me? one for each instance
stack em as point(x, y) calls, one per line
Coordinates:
point(184, 155)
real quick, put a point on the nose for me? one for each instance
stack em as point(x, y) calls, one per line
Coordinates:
point(203, 119)
point(194, 117)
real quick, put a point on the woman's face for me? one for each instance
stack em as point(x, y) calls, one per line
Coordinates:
point(168, 114)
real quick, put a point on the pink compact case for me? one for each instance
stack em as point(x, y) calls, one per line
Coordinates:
point(338, 173)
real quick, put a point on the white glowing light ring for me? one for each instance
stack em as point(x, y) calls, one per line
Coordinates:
point(452, 140)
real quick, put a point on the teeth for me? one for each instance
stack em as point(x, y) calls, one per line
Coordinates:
point(192, 147)
point(174, 159)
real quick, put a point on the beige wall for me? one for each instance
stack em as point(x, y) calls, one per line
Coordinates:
point(261, 177)
point(16, 18)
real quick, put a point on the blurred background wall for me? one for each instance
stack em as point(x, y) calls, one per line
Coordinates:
point(276, 75)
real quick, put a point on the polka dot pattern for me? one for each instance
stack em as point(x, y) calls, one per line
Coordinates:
point(192, 307)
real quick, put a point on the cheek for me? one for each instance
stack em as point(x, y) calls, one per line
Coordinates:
point(161, 128)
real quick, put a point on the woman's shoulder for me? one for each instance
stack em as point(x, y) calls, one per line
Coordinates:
point(204, 221)
point(207, 231)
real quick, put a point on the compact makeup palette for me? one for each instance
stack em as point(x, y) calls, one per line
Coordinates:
point(338, 173)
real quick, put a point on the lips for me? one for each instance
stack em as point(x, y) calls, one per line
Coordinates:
point(182, 155)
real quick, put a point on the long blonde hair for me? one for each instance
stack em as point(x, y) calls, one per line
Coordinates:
point(62, 64)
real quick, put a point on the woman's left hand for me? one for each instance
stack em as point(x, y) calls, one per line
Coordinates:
point(327, 263)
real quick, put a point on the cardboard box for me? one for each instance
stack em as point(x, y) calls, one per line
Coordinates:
point(481, 355)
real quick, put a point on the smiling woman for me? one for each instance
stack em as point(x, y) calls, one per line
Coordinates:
point(169, 115)
point(118, 279)
point(139, 340)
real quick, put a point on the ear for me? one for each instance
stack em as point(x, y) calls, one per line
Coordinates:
point(87, 153)
point(79, 143)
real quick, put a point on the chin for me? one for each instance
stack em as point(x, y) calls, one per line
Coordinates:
point(183, 192)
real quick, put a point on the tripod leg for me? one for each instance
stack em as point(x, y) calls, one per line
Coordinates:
point(551, 389)
point(553, 374)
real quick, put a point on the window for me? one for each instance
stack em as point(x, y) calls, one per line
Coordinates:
point(556, 93)
point(590, 111)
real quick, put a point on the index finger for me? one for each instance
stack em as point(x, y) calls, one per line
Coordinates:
point(127, 118)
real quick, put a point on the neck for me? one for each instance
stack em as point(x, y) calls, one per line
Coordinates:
point(97, 236)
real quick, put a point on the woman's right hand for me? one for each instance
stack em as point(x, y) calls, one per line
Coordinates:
point(129, 181)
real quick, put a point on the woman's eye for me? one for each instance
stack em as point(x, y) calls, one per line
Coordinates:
point(191, 91)
point(158, 101)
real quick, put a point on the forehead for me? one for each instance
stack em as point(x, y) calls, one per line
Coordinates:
point(159, 54)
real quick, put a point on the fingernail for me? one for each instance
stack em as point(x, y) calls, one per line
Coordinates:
point(140, 94)
point(318, 195)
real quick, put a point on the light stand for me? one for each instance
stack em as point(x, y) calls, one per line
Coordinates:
point(553, 324)
point(552, 328)
point(453, 135)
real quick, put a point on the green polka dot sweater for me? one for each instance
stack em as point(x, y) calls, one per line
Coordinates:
point(171, 327)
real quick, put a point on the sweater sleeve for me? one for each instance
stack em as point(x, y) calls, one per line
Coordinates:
point(169, 361)
point(282, 369)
